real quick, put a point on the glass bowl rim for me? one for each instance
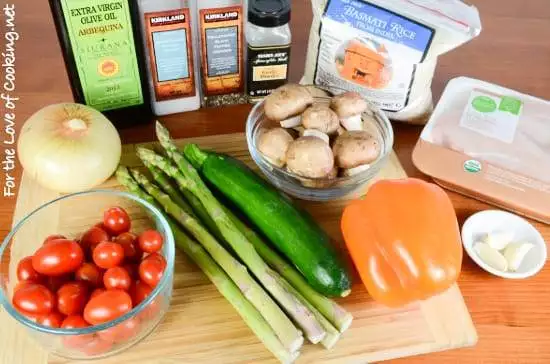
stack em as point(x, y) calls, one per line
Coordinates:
point(169, 240)
point(382, 119)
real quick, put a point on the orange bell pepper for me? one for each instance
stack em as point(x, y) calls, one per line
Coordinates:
point(404, 240)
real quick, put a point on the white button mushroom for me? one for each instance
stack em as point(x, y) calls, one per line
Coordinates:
point(273, 144)
point(349, 106)
point(310, 157)
point(322, 118)
point(317, 92)
point(317, 134)
point(286, 102)
point(355, 148)
point(324, 182)
point(355, 171)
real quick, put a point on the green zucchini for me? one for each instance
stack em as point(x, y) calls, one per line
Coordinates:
point(293, 231)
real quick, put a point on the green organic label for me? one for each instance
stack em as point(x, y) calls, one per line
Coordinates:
point(510, 104)
point(484, 104)
point(104, 51)
point(472, 166)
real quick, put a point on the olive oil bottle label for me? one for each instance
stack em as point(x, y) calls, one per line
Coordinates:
point(169, 41)
point(267, 69)
point(222, 50)
point(104, 51)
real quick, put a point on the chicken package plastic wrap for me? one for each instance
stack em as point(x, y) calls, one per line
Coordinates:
point(386, 49)
point(490, 143)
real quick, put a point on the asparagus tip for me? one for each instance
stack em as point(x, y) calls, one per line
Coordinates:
point(195, 155)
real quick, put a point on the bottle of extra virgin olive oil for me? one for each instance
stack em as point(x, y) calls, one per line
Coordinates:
point(103, 52)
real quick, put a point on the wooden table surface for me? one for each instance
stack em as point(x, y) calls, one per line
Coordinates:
point(512, 317)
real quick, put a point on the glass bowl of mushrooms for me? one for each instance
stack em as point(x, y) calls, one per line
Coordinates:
point(318, 144)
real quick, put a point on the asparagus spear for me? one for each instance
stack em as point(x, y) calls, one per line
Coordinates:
point(223, 283)
point(238, 242)
point(289, 335)
point(163, 180)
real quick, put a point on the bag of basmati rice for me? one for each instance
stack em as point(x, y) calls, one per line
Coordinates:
point(386, 49)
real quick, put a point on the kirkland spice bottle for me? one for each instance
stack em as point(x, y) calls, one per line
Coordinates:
point(170, 41)
point(221, 37)
point(268, 39)
point(102, 48)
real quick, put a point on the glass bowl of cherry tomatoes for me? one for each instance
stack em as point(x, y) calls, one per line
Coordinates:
point(88, 274)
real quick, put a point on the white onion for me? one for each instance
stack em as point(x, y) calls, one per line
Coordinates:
point(69, 147)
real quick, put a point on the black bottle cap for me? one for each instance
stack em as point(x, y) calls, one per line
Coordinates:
point(269, 13)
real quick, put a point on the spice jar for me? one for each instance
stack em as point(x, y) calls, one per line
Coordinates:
point(268, 40)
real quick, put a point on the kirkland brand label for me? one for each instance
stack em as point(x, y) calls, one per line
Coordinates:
point(104, 52)
point(221, 33)
point(170, 54)
point(371, 50)
point(268, 69)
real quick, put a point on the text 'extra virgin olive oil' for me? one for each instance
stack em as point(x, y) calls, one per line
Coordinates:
point(103, 52)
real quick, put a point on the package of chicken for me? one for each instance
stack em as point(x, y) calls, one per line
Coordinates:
point(490, 143)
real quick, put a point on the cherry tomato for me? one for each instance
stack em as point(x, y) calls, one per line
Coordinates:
point(72, 297)
point(116, 220)
point(25, 271)
point(129, 243)
point(121, 332)
point(21, 284)
point(132, 269)
point(150, 241)
point(92, 237)
point(107, 306)
point(76, 341)
point(139, 291)
point(108, 255)
point(53, 237)
point(89, 273)
point(96, 347)
point(34, 298)
point(151, 311)
point(34, 317)
point(96, 292)
point(53, 319)
point(152, 268)
point(58, 257)
point(54, 283)
point(101, 226)
point(117, 277)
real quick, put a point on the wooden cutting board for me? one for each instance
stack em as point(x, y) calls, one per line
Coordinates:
point(202, 327)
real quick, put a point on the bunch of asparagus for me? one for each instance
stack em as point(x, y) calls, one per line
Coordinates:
point(268, 292)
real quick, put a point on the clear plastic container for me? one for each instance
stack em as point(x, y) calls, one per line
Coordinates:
point(71, 215)
point(322, 189)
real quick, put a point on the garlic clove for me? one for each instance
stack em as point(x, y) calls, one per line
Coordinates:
point(491, 257)
point(317, 134)
point(352, 123)
point(292, 122)
point(498, 239)
point(515, 254)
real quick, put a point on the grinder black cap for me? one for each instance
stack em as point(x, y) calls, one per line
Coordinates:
point(269, 13)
